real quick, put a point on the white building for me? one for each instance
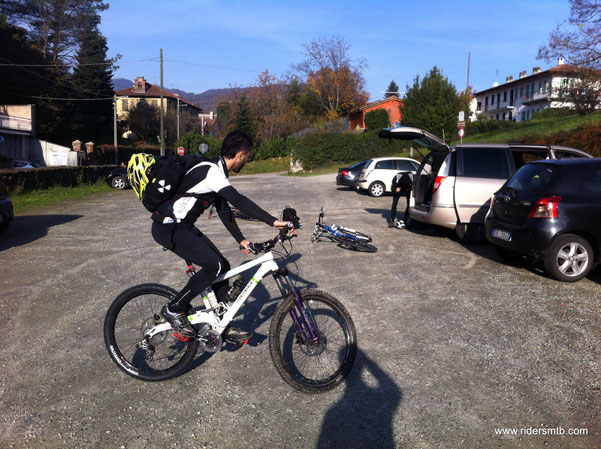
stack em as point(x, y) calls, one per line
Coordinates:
point(518, 99)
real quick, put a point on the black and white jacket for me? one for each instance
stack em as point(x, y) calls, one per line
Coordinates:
point(204, 184)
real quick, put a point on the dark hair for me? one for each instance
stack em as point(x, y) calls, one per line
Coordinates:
point(235, 142)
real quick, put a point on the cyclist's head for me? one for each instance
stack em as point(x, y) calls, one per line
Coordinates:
point(236, 149)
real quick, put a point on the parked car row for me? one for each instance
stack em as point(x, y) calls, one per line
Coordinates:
point(537, 201)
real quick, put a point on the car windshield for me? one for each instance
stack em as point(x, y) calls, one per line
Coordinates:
point(357, 165)
point(533, 178)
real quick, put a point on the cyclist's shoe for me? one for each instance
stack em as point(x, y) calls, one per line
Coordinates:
point(391, 224)
point(238, 335)
point(234, 290)
point(179, 322)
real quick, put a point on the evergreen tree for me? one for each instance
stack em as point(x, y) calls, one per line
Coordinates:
point(244, 119)
point(392, 89)
point(431, 104)
point(376, 120)
point(92, 78)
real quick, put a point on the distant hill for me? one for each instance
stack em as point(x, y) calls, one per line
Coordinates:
point(207, 100)
point(121, 83)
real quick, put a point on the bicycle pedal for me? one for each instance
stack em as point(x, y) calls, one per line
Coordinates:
point(237, 343)
point(180, 337)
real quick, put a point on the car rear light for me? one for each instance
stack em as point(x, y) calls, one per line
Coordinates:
point(344, 172)
point(545, 208)
point(437, 183)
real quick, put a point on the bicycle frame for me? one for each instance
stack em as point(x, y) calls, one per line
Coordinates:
point(335, 230)
point(266, 265)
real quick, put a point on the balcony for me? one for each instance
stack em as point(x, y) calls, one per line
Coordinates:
point(536, 97)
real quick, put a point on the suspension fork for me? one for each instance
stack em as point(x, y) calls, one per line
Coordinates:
point(298, 314)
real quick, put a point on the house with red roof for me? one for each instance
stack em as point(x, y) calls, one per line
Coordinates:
point(390, 105)
point(142, 90)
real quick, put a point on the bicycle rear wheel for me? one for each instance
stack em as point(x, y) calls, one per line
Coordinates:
point(355, 245)
point(308, 366)
point(131, 315)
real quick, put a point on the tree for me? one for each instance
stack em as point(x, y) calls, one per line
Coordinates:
point(376, 120)
point(431, 104)
point(334, 78)
point(56, 26)
point(579, 43)
point(244, 119)
point(92, 78)
point(392, 89)
point(143, 120)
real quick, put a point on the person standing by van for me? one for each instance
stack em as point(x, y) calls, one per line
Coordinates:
point(401, 186)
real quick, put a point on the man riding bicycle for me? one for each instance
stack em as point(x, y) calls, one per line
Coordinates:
point(205, 184)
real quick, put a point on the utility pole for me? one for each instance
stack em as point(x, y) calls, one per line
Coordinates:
point(468, 73)
point(177, 115)
point(115, 128)
point(162, 135)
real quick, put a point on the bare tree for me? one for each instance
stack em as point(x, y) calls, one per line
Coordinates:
point(332, 75)
point(578, 42)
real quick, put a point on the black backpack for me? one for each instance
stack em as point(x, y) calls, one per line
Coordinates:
point(166, 177)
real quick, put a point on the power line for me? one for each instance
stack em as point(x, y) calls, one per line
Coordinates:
point(67, 65)
point(214, 66)
point(73, 99)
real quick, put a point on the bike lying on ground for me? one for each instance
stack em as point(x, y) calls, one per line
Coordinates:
point(345, 237)
point(312, 337)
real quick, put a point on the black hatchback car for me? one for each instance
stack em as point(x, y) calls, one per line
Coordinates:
point(117, 179)
point(348, 176)
point(550, 210)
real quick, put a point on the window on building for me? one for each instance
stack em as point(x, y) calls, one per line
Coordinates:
point(125, 105)
point(479, 106)
point(498, 99)
point(492, 100)
point(505, 97)
point(521, 92)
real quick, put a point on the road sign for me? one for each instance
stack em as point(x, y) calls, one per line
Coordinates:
point(461, 132)
point(181, 151)
point(460, 124)
point(461, 117)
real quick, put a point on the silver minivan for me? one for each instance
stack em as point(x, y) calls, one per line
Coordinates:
point(453, 185)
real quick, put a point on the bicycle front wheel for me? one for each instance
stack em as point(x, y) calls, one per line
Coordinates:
point(355, 245)
point(132, 314)
point(313, 367)
point(355, 234)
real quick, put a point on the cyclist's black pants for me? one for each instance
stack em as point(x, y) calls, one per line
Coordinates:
point(193, 246)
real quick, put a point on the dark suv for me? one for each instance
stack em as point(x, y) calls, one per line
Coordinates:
point(550, 210)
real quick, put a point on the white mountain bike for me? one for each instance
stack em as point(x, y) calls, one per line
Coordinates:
point(312, 337)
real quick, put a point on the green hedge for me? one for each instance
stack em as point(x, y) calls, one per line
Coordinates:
point(41, 178)
point(315, 150)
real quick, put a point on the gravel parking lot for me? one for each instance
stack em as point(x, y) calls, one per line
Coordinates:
point(455, 347)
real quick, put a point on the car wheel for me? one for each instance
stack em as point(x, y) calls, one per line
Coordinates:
point(570, 258)
point(376, 189)
point(118, 182)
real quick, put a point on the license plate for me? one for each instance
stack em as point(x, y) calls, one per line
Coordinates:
point(501, 234)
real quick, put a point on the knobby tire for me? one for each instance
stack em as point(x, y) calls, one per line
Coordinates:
point(313, 368)
point(134, 310)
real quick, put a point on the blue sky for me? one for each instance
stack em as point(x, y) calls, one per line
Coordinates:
point(210, 44)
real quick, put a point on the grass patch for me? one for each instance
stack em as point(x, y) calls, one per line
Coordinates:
point(53, 195)
point(533, 129)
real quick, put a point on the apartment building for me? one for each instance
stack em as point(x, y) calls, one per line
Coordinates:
point(520, 98)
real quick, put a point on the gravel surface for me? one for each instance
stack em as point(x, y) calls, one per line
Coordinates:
point(454, 344)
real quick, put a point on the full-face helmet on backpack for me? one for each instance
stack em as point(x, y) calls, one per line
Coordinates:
point(138, 172)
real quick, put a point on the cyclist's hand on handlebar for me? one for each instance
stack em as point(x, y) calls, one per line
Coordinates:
point(244, 246)
point(284, 226)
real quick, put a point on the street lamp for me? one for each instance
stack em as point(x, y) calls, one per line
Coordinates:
point(177, 115)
